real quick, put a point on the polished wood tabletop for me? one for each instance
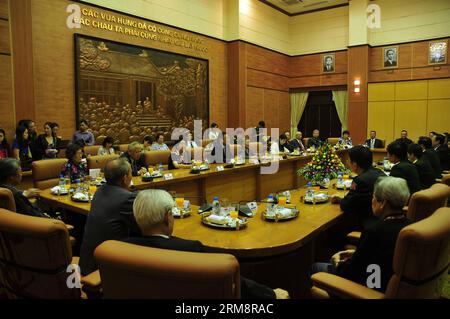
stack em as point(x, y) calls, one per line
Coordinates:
point(260, 238)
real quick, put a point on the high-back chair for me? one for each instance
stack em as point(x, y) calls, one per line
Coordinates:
point(34, 257)
point(132, 271)
point(425, 202)
point(420, 264)
point(123, 148)
point(446, 179)
point(46, 172)
point(333, 140)
point(157, 157)
point(99, 161)
point(91, 150)
point(7, 199)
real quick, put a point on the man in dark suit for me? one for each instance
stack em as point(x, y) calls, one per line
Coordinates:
point(404, 138)
point(426, 174)
point(430, 155)
point(373, 141)
point(111, 215)
point(136, 158)
point(328, 66)
point(315, 140)
point(297, 142)
point(152, 210)
point(10, 177)
point(397, 154)
point(442, 151)
point(359, 199)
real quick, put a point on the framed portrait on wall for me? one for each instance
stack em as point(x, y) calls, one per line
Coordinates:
point(437, 52)
point(390, 57)
point(328, 64)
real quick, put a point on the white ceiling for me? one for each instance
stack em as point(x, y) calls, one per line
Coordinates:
point(293, 7)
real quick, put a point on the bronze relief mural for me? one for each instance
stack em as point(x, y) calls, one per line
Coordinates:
point(127, 92)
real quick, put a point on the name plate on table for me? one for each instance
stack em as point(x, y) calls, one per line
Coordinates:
point(254, 161)
point(220, 168)
point(94, 173)
point(168, 176)
point(253, 206)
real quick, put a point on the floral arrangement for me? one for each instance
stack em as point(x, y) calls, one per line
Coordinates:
point(325, 164)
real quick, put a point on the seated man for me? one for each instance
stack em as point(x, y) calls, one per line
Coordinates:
point(430, 155)
point(315, 140)
point(159, 145)
point(359, 199)
point(345, 140)
point(136, 158)
point(10, 178)
point(110, 216)
point(297, 143)
point(397, 154)
point(442, 151)
point(377, 243)
point(373, 141)
point(153, 213)
point(426, 174)
point(404, 138)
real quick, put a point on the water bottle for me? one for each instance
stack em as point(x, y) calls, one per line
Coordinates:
point(160, 168)
point(270, 204)
point(309, 190)
point(340, 181)
point(216, 206)
point(62, 184)
point(78, 185)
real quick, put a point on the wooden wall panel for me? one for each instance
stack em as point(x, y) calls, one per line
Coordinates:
point(236, 84)
point(4, 14)
point(438, 115)
point(254, 106)
point(5, 47)
point(267, 80)
point(266, 60)
point(412, 90)
point(412, 64)
point(439, 89)
point(7, 119)
point(381, 119)
point(271, 109)
point(410, 116)
point(381, 91)
point(284, 111)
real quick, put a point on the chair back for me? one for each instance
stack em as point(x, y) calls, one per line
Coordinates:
point(305, 141)
point(91, 150)
point(99, 161)
point(123, 148)
point(138, 272)
point(425, 202)
point(333, 140)
point(446, 179)
point(206, 142)
point(157, 157)
point(35, 254)
point(421, 258)
point(383, 143)
point(46, 172)
point(7, 199)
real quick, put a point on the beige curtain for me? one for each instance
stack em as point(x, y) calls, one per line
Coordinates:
point(341, 102)
point(298, 103)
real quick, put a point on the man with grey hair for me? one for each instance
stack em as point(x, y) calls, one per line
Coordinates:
point(136, 158)
point(377, 243)
point(111, 213)
point(153, 213)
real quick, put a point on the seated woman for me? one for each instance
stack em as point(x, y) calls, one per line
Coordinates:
point(377, 243)
point(21, 148)
point(345, 140)
point(4, 146)
point(107, 147)
point(159, 145)
point(47, 145)
point(76, 167)
point(10, 178)
point(148, 142)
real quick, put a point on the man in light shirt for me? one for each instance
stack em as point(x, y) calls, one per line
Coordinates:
point(159, 145)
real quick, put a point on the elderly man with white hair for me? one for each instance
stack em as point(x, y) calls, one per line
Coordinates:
point(136, 158)
point(152, 210)
point(377, 243)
